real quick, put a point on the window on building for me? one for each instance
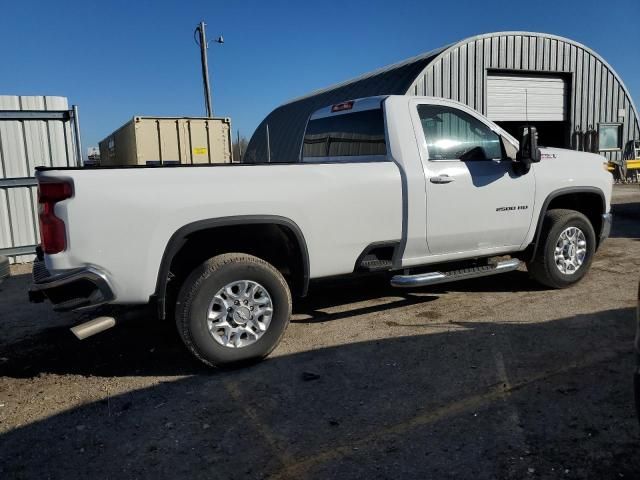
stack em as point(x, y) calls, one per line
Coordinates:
point(609, 136)
point(345, 135)
point(452, 134)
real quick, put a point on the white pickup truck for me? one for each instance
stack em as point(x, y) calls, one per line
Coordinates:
point(424, 188)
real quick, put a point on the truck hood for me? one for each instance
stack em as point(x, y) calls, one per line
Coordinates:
point(560, 168)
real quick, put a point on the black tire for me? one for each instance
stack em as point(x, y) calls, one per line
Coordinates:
point(543, 267)
point(202, 285)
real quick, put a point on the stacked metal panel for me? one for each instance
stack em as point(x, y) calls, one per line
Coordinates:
point(24, 145)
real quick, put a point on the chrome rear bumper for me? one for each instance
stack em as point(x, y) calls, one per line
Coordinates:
point(76, 289)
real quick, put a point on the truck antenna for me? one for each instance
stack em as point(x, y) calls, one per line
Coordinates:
point(268, 145)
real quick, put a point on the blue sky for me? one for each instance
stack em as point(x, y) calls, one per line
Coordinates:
point(122, 58)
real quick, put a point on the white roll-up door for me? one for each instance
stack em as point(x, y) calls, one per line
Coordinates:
point(515, 98)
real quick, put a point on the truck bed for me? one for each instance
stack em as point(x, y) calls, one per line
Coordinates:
point(122, 218)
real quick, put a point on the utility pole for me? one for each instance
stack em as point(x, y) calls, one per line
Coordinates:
point(201, 41)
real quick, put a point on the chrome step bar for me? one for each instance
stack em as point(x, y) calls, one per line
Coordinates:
point(434, 278)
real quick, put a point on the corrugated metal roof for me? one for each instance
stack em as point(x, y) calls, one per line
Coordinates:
point(24, 145)
point(459, 72)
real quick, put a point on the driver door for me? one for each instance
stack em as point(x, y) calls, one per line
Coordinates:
point(476, 202)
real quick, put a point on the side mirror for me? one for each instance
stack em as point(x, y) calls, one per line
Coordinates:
point(528, 152)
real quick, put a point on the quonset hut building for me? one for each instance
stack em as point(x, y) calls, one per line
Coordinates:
point(568, 91)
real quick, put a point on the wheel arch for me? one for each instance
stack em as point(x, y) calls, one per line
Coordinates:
point(184, 234)
point(593, 206)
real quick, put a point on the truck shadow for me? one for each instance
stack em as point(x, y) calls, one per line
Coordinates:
point(370, 294)
point(481, 400)
point(36, 340)
point(626, 220)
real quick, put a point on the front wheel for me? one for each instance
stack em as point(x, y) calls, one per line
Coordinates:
point(233, 308)
point(566, 249)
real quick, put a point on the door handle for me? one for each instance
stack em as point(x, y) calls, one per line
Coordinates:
point(442, 179)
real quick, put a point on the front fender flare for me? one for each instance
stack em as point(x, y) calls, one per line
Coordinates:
point(550, 198)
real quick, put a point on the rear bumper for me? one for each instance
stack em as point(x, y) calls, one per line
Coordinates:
point(76, 289)
point(605, 231)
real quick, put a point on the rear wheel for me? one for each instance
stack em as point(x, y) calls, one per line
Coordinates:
point(567, 245)
point(233, 308)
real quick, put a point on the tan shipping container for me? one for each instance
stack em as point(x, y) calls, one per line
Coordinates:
point(168, 140)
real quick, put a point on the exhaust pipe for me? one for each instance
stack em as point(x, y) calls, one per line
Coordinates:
point(92, 327)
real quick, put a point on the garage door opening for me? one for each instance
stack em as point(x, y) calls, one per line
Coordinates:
point(514, 101)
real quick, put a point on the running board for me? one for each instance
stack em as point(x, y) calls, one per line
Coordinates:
point(433, 278)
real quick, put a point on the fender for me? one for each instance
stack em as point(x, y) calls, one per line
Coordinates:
point(179, 238)
point(556, 194)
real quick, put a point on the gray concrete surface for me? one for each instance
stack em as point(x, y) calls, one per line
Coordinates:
point(491, 378)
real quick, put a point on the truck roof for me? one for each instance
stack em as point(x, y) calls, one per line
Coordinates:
point(349, 106)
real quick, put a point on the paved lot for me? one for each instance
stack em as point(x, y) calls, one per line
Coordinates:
point(492, 378)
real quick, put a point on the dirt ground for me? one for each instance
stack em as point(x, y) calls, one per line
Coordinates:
point(490, 378)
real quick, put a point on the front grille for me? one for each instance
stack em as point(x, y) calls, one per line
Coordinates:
point(40, 271)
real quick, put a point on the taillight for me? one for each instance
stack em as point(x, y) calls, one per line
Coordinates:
point(52, 229)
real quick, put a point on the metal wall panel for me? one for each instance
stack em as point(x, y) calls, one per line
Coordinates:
point(446, 72)
point(471, 73)
point(479, 74)
point(25, 145)
point(502, 56)
point(510, 52)
point(455, 75)
point(517, 52)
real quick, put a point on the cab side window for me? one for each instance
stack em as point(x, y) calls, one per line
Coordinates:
point(452, 134)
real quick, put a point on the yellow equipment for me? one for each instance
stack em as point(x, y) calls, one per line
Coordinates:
point(629, 170)
point(631, 165)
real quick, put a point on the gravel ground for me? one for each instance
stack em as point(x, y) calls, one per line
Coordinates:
point(491, 378)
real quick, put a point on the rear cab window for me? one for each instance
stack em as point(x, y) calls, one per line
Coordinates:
point(345, 135)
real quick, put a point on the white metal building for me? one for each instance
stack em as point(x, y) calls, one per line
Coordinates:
point(34, 131)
